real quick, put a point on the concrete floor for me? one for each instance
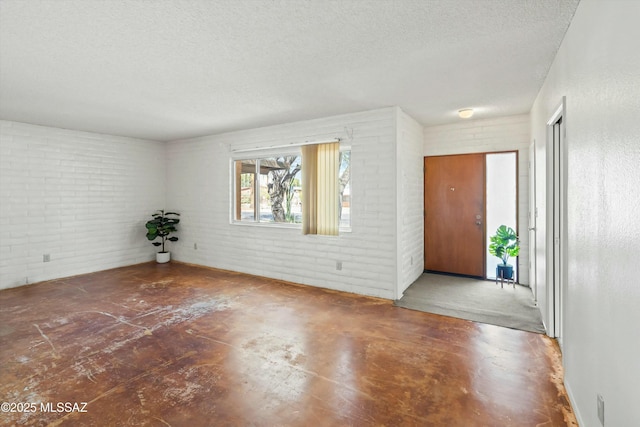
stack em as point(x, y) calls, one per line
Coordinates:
point(181, 345)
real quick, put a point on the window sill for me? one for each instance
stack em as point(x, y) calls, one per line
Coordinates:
point(283, 226)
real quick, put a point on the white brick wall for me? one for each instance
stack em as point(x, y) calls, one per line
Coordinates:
point(198, 185)
point(491, 135)
point(81, 197)
point(410, 203)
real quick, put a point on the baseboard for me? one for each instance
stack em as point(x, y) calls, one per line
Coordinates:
point(572, 401)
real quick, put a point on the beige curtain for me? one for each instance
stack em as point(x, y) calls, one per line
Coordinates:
point(320, 191)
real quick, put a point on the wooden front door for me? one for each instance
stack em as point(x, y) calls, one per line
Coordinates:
point(454, 214)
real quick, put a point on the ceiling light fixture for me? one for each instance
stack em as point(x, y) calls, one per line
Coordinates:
point(466, 113)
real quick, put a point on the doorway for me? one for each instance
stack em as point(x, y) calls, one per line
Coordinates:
point(558, 219)
point(467, 197)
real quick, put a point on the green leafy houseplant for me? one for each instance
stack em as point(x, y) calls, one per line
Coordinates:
point(504, 244)
point(162, 225)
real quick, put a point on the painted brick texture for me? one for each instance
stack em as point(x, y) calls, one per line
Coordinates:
point(198, 184)
point(410, 201)
point(80, 197)
point(83, 198)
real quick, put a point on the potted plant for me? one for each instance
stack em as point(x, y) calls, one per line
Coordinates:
point(504, 244)
point(162, 225)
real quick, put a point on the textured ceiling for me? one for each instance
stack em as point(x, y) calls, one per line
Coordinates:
point(168, 70)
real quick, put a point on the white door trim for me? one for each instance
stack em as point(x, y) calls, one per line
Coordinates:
point(533, 214)
point(556, 221)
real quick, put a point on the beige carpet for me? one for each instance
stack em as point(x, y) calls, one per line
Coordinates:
point(477, 300)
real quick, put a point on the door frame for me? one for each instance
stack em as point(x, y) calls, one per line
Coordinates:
point(484, 213)
point(532, 216)
point(556, 235)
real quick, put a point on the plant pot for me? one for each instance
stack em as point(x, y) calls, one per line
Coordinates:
point(162, 257)
point(504, 271)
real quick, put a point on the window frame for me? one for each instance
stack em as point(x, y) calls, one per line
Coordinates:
point(257, 156)
point(260, 154)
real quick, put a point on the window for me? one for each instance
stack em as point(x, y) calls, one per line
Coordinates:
point(344, 181)
point(268, 190)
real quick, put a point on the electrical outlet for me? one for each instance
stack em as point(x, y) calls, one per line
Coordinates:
point(412, 260)
point(195, 246)
point(46, 258)
point(338, 265)
point(601, 409)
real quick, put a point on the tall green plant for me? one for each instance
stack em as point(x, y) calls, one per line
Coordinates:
point(504, 244)
point(162, 225)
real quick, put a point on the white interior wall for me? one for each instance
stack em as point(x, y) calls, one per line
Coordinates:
point(410, 203)
point(198, 184)
point(491, 135)
point(597, 69)
point(80, 197)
